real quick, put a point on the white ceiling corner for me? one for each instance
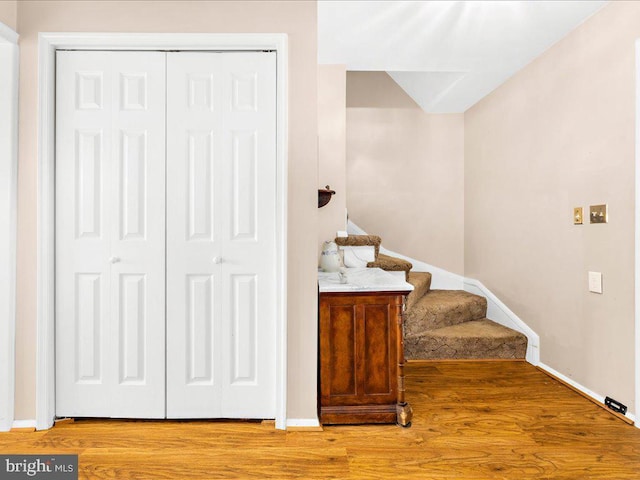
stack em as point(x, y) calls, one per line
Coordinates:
point(447, 55)
point(427, 89)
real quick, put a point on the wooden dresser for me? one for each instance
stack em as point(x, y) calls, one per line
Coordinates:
point(361, 348)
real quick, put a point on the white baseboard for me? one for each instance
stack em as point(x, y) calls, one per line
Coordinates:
point(353, 229)
point(5, 425)
point(8, 35)
point(500, 313)
point(303, 422)
point(291, 422)
point(581, 388)
point(24, 424)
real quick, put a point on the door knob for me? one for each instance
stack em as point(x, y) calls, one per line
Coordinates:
point(114, 259)
point(217, 259)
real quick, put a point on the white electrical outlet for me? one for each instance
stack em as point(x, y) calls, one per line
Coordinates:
point(595, 282)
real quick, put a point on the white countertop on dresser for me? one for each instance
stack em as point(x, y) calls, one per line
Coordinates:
point(362, 280)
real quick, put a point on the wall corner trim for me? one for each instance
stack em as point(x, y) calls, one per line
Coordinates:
point(48, 43)
point(9, 85)
point(18, 424)
point(637, 233)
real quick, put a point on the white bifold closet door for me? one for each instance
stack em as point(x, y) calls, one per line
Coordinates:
point(165, 260)
point(110, 234)
point(221, 234)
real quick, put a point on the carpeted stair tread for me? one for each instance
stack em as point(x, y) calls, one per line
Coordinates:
point(391, 264)
point(421, 282)
point(474, 339)
point(360, 241)
point(442, 308)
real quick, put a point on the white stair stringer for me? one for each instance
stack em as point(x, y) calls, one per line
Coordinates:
point(445, 280)
point(501, 314)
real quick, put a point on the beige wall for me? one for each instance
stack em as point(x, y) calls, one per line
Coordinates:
point(8, 13)
point(332, 168)
point(298, 20)
point(376, 90)
point(560, 134)
point(405, 171)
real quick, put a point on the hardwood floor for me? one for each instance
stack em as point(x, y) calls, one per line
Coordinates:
point(472, 420)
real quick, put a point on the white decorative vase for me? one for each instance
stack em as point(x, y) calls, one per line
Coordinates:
point(330, 257)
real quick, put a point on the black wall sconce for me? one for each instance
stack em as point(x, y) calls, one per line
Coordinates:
point(324, 196)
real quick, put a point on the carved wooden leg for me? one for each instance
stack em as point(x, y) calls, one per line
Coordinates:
point(404, 413)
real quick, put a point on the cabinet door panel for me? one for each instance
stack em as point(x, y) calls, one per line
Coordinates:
point(378, 353)
point(342, 365)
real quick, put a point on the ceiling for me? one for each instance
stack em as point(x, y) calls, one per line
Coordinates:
point(447, 55)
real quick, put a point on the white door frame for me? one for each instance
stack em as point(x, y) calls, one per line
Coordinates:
point(47, 46)
point(637, 240)
point(8, 202)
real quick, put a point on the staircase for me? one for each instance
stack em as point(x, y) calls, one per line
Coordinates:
point(452, 324)
point(444, 324)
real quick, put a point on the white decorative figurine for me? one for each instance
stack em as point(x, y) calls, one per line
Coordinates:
point(330, 257)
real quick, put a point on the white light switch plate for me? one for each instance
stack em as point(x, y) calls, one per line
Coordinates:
point(595, 282)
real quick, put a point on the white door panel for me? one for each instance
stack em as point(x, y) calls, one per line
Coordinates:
point(249, 247)
point(194, 243)
point(221, 162)
point(138, 235)
point(110, 162)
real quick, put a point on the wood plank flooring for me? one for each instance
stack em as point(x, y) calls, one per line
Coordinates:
point(472, 420)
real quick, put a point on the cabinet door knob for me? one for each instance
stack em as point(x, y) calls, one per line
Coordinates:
point(217, 260)
point(114, 259)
